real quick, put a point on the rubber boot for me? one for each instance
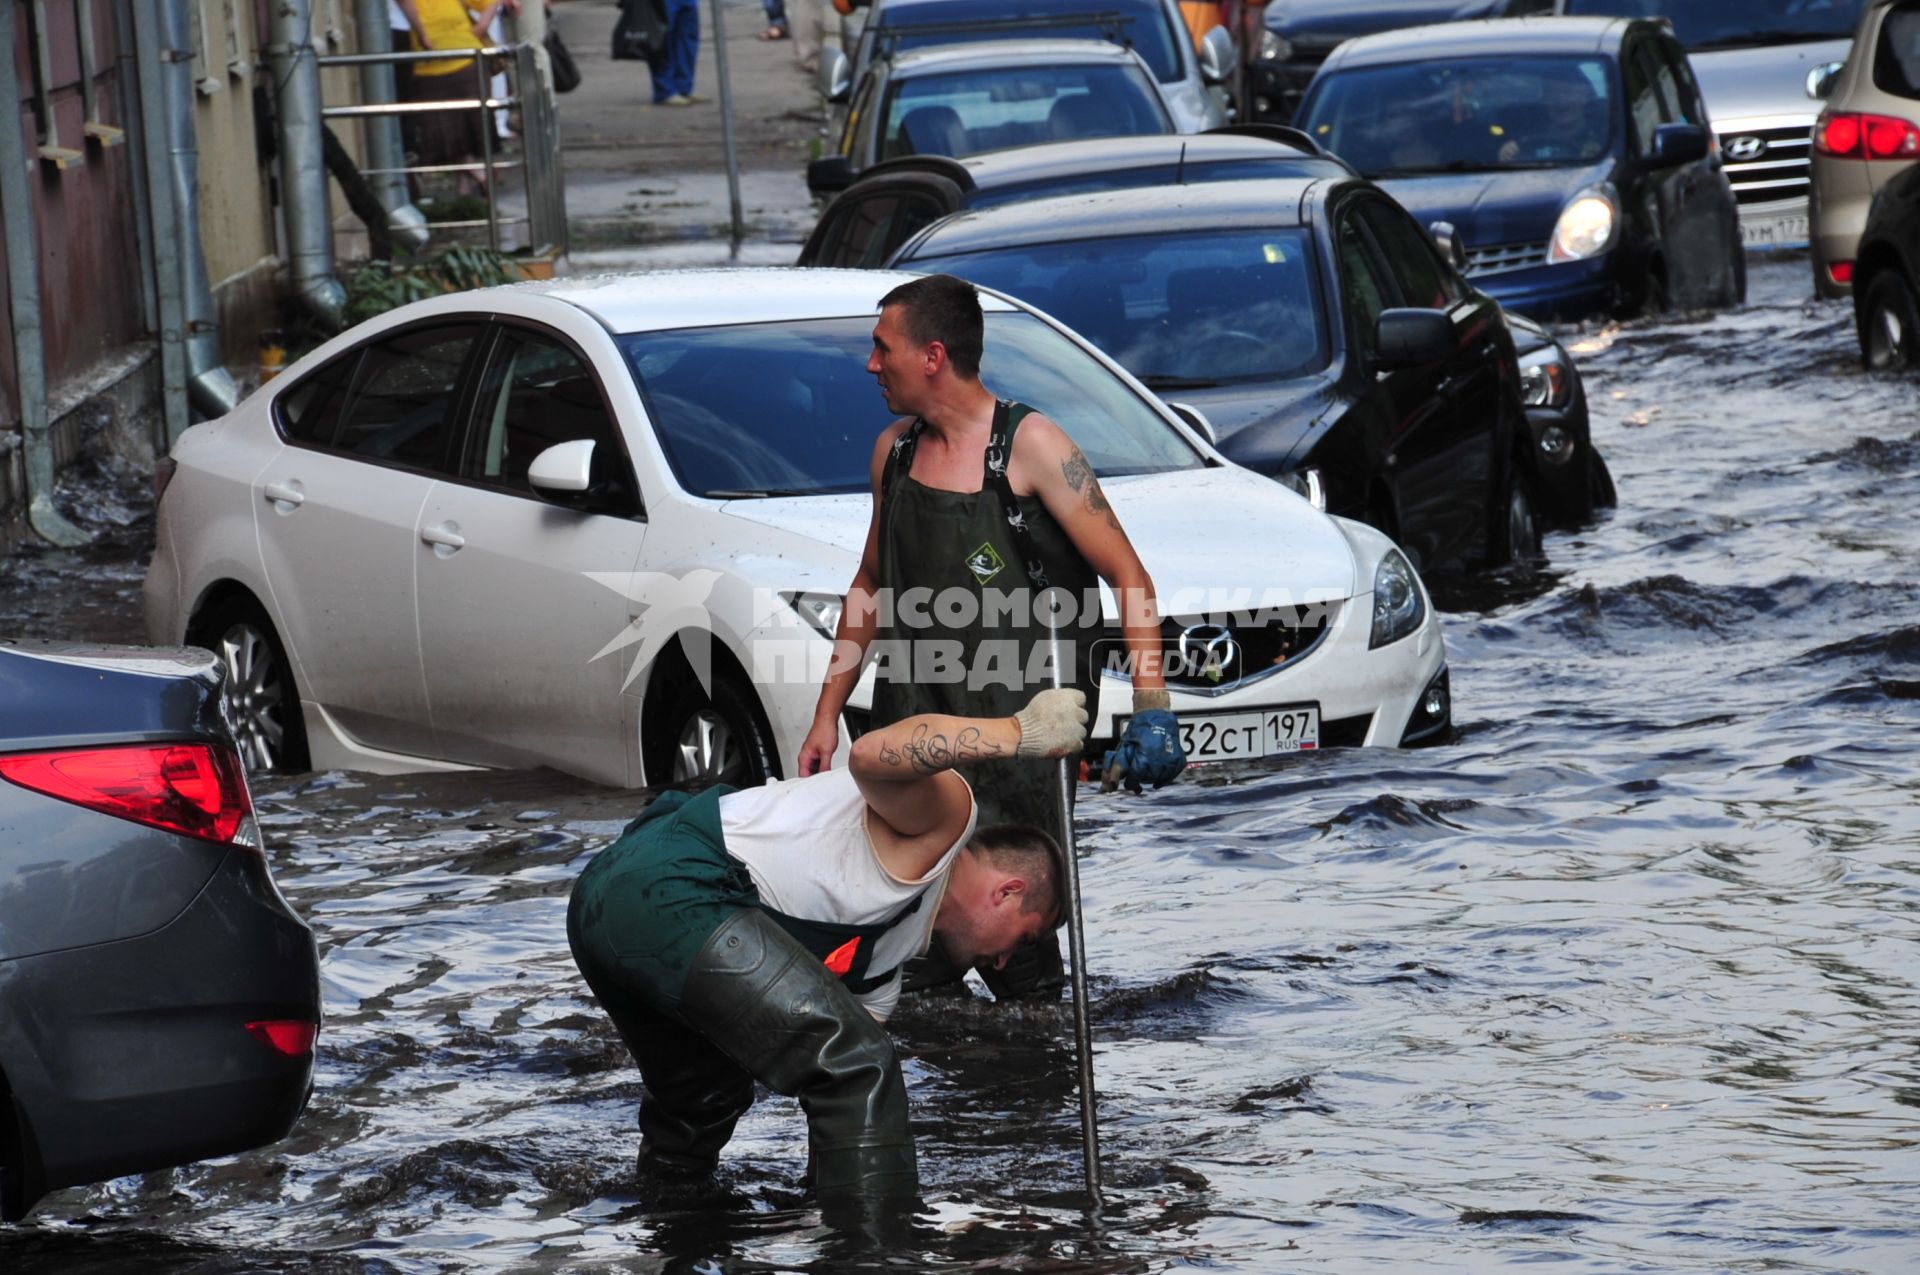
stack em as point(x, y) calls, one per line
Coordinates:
point(766, 1003)
point(694, 1096)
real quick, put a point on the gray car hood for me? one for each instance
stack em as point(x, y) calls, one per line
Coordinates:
point(1767, 82)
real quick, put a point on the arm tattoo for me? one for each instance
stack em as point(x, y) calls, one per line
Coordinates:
point(1079, 476)
point(929, 752)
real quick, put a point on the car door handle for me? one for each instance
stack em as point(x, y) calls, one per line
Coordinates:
point(285, 497)
point(445, 536)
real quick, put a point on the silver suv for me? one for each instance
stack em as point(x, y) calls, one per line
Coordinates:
point(1753, 60)
point(1868, 134)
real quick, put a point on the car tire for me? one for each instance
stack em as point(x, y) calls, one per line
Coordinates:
point(1600, 489)
point(1520, 523)
point(701, 740)
point(259, 694)
point(1889, 325)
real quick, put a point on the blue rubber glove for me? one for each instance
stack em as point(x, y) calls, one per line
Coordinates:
point(1150, 751)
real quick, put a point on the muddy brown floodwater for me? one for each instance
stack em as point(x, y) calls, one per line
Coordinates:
point(1623, 979)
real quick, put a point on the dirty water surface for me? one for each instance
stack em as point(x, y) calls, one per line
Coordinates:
point(1622, 979)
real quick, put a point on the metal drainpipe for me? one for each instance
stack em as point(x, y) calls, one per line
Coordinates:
point(209, 386)
point(23, 276)
point(303, 168)
point(386, 153)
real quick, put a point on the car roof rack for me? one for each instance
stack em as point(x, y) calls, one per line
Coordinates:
point(1113, 25)
point(1285, 134)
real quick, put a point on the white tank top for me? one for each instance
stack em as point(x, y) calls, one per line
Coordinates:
point(805, 843)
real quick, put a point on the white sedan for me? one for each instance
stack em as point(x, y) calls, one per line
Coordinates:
point(605, 525)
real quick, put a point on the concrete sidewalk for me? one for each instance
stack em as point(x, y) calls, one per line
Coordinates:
point(647, 185)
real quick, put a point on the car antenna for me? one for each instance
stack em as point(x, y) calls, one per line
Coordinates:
point(1180, 167)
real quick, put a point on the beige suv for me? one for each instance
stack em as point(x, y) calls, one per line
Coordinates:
point(1869, 131)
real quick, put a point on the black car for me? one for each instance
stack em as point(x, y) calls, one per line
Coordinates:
point(894, 200)
point(158, 998)
point(1310, 322)
point(1570, 156)
point(1886, 277)
point(1299, 34)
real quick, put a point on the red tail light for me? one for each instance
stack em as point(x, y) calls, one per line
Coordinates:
point(1847, 135)
point(1842, 271)
point(195, 789)
point(290, 1036)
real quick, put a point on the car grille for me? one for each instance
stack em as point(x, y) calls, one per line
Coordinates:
point(1499, 258)
point(1257, 649)
point(1780, 173)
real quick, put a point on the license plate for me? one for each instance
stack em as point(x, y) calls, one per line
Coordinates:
point(1237, 736)
point(1774, 232)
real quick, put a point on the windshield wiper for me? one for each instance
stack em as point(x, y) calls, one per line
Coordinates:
point(1177, 383)
point(754, 493)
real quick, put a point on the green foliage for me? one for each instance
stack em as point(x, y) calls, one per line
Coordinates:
point(379, 286)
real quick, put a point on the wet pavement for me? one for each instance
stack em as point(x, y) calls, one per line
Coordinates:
point(1623, 979)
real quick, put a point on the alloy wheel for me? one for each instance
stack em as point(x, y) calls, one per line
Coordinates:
point(1523, 534)
point(708, 751)
point(254, 695)
point(1889, 343)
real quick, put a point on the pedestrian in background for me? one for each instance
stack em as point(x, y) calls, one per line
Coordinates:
point(673, 73)
point(776, 28)
point(449, 136)
point(804, 21)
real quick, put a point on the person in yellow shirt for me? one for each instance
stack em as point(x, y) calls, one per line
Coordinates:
point(447, 137)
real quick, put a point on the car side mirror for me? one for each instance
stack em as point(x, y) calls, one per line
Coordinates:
point(563, 470)
point(1411, 338)
point(1198, 419)
point(1217, 56)
point(1821, 79)
point(830, 174)
point(1676, 144)
point(1447, 239)
point(836, 75)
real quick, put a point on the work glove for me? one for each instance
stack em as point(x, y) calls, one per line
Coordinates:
point(1150, 751)
point(1053, 724)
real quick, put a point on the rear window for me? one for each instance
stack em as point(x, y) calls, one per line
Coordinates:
point(1896, 63)
point(961, 113)
point(1141, 25)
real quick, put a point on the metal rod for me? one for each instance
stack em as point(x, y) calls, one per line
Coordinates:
point(486, 155)
point(1077, 947)
point(726, 123)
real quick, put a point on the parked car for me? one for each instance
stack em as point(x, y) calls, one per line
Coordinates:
point(1571, 158)
point(895, 199)
point(158, 998)
point(1191, 79)
point(1298, 35)
point(1311, 322)
point(1868, 133)
point(1753, 60)
point(482, 530)
point(1572, 479)
point(991, 96)
point(1886, 295)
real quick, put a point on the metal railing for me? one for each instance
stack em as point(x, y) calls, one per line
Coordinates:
point(539, 157)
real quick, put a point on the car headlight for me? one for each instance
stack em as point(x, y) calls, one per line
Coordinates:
point(1306, 484)
point(1398, 607)
point(1545, 378)
point(1586, 227)
point(1273, 48)
point(821, 611)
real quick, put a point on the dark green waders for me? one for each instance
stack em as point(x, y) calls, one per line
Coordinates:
point(934, 539)
point(710, 993)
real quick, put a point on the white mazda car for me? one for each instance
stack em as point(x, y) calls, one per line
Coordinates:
point(605, 525)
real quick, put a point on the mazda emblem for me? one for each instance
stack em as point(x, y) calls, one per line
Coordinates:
point(1209, 650)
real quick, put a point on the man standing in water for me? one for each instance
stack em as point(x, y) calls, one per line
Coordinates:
point(991, 498)
point(759, 935)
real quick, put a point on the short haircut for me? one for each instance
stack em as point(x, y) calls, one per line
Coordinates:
point(1037, 857)
point(942, 308)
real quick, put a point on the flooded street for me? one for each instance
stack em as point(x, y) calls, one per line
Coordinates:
point(1626, 978)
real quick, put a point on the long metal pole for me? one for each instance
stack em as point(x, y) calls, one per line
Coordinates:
point(1077, 948)
point(726, 122)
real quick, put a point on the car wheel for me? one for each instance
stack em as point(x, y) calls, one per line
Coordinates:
point(261, 701)
point(717, 739)
point(1889, 325)
point(1521, 533)
point(1600, 488)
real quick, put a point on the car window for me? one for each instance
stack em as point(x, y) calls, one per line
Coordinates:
point(1896, 61)
point(1177, 310)
point(1692, 109)
point(1362, 290)
point(1664, 81)
point(309, 412)
point(962, 113)
point(1643, 98)
point(857, 112)
point(400, 407)
point(537, 392)
point(1424, 279)
point(789, 407)
point(1145, 26)
point(859, 231)
point(1463, 114)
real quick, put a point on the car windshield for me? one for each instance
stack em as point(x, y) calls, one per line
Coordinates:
point(1465, 115)
point(775, 409)
point(1141, 25)
point(1716, 24)
point(1181, 311)
point(961, 113)
point(1171, 173)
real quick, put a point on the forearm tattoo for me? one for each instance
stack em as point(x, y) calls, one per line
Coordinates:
point(930, 751)
point(1079, 476)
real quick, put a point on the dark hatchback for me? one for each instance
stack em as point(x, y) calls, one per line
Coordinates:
point(1570, 156)
point(1886, 280)
point(1310, 323)
point(893, 201)
point(158, 998)
point(1297, 36)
